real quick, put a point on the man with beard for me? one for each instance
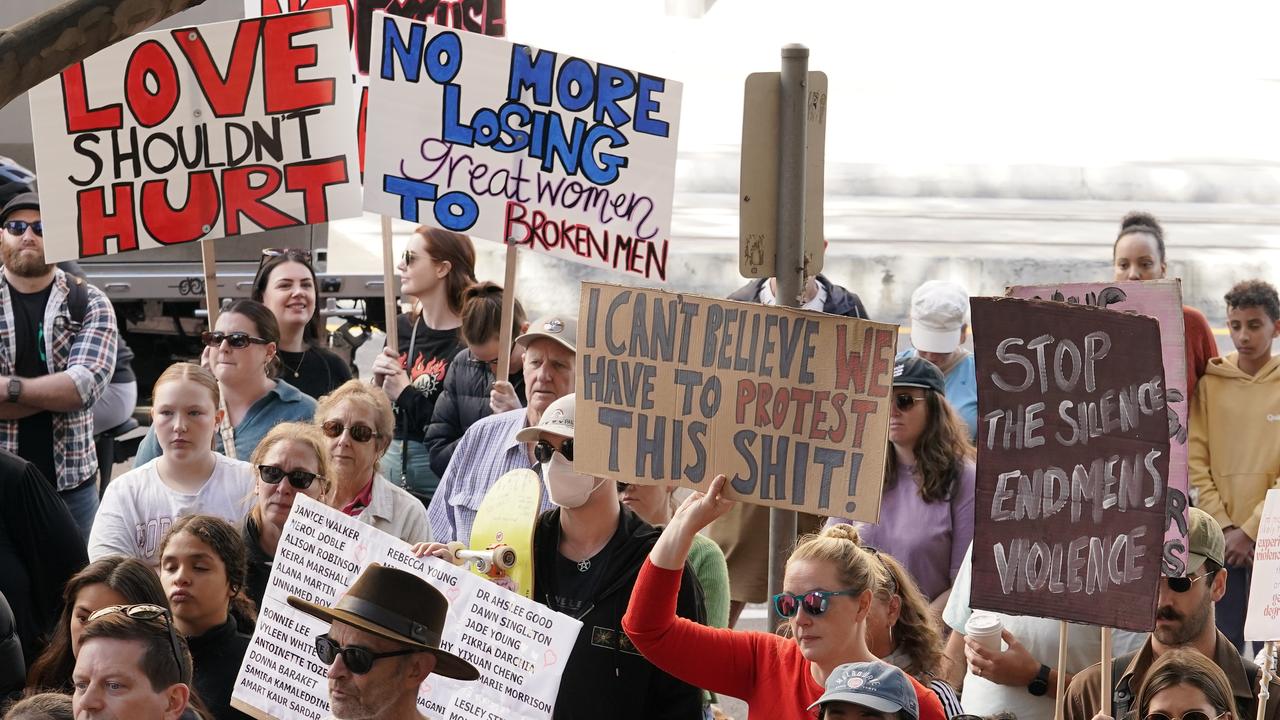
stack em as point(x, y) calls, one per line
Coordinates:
point(54, 363)
point(1184, 620)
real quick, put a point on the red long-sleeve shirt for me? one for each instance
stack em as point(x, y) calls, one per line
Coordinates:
point(765, 670)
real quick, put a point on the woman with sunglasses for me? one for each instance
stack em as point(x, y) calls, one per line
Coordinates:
point(1186, 685)
point(828, 586)
point(110, 581)
point(437, 268)
point(929, 483)
point(241, 353)
point(189, 478)
point(202, 569)
point(471, 389)
point(286, 285)
point(292, 459)
point(357, 421)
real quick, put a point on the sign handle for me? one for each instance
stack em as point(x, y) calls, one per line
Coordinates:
point(1106, 671)
point(210, 264)
point(389, 286)
point(508, 312)
point(1265, 677)
point(1062, 672)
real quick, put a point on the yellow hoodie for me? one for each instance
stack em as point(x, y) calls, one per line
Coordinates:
point(1233, 453)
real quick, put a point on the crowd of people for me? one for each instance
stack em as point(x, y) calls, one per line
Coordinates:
point(137, 597)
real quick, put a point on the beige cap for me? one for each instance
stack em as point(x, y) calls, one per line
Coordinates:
point(557, 419)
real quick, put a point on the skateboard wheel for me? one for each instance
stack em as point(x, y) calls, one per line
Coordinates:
point(504, 557)
point(455, 549)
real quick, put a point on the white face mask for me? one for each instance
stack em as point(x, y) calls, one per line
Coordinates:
point(567, 488)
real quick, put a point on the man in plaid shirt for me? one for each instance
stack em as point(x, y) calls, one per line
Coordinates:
point(53, 366)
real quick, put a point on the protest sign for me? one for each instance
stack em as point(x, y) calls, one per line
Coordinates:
point(519, 646)
point(508, 142)
point(487, 17)
point(1073, 452)
point(1162, 300)
point(198, 133)
point(791, 405)
point(1263, 619)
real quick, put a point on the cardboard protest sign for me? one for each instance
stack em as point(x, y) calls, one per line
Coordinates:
point(216, 130)
point(519, 646)
point(1263, 619)
point(791, 405)
point(487, 17)
point(1073, 453)
point(505, 141)
point(1162, 300)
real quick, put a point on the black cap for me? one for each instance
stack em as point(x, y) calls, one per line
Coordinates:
point(918, 372)
point(23, 201)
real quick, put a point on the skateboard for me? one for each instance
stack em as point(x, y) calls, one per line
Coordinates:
point(502, 535)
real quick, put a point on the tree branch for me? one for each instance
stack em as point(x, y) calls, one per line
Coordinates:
point(42, 46)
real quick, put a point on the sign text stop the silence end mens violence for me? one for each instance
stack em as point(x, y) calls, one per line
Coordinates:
point(1072, 464)
point(570, 116)
point(232, 168)
point(792, 406)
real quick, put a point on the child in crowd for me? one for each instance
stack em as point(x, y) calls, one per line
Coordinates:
point(1233, 455)
point(867, 690)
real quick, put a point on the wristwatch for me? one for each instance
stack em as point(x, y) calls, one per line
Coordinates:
point(1040, 685)
point(15, 389)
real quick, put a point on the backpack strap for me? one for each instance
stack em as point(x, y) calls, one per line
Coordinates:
point(77, 298)
point(1121, 697)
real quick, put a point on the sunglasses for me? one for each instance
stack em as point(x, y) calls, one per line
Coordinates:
point(623, 487)
point(906, 401)
point(359, 433)
point(1188, 715)
point(359, 660)
point(814, 602)
point(299, 479)
point(543, 451)
point(301, 253)
point(1183, 584)
point(237, 340)
point(144, 612)
point(19, 227)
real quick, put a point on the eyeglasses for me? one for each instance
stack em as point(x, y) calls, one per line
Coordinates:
point(906, 401)
point(1188, 715)
point(1183, 584)
point(359, 433)
point(359, 660)
point(144, 612)
point(814, 602)
point(237, 340)
point(19, 227)
point(300, 479)
point(543, 451)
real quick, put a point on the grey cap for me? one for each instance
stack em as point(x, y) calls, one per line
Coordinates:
point(875, 685)
point(21, 201)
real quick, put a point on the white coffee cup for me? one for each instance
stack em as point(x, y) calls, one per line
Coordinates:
point(986, 629)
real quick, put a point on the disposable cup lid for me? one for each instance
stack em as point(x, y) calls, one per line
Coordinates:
point(982, 624)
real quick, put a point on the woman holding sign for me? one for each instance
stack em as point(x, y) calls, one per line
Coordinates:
point(829, 583)
point(929, 483)
point(436, 269)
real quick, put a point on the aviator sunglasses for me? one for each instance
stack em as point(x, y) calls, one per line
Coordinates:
point(905, 401)
point(543, 451)
point(1183, 584)
point(359, 660)
point(814, 602)
point(18, 227)
point(359, 433)
point(299, 479)
point(237, 340)
point(147, 611)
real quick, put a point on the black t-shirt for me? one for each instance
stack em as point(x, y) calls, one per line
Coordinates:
point(315, 371)
point(35, 433)
point(426, 365)
point(577, 583)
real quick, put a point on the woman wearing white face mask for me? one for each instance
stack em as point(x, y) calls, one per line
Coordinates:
point(587, 552)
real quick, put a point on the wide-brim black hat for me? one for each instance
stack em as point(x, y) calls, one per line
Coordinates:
point(399, 606)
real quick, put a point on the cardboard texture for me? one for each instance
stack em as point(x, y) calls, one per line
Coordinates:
point(216, 130)
point(1073, 456)
point(504, 141)
point(791, 405)
point(1162, 300)
point(1262, 622)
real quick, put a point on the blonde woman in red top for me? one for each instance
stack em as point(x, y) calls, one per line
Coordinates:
point(828, 588)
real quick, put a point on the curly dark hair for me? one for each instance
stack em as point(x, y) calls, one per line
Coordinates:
point(1254, 293)
point(1141, 221)
point(941, 452)
point(226, 541)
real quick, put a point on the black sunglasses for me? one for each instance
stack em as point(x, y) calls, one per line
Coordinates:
point(1188, 715)
point(293, 253)
point(19, 227)
point(906, 401)
point(359, 660)
point(237, 340)
point(814, 602)
point(300, 479)
point(1183, 584)
point(543, 451)
point(147, 611)
point(623, 487)
point(359, 433)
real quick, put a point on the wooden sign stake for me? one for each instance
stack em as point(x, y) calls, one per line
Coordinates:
point(1106, 671)
point(508, 312)
point(389, 286)
point(210, 264)
point(1062, 672)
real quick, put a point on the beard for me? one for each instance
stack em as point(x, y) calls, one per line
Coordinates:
point(1186, 629)
point(23, 262)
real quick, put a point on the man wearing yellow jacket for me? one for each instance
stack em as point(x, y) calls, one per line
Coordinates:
point(1234, 448)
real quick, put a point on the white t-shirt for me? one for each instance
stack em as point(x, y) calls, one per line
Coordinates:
point(138, 508)
point(1040, 637)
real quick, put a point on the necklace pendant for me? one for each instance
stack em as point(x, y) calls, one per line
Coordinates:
point(584, 565)
point(295, 373)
